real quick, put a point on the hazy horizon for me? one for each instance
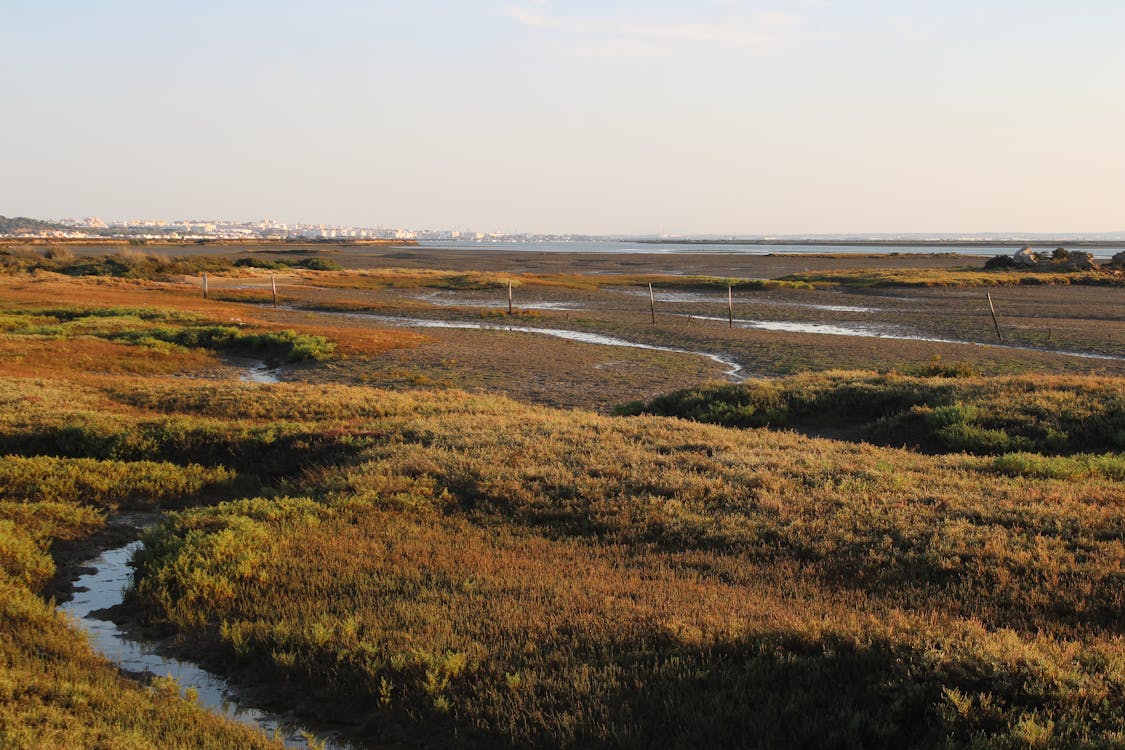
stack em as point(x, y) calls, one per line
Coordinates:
point(712, 117)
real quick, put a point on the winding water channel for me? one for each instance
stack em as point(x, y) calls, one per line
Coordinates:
point(103, 586)
point(735, 371)
point(886, 332)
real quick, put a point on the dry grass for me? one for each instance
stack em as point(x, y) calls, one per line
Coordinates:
point(40, 358)
point(477, 568)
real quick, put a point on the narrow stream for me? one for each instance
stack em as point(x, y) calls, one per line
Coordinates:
point(446, 300)
point(888, 332)
point(734, 372)
point(260, 372)
point(717, 299)
point(104, 588)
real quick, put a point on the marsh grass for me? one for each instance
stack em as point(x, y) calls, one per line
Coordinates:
point(109, 332)
point(161, 331)
point(466, 568)
point(107, 484)
point(482, 570)
point(1079, 467)
point(983, 415)
point(450, 568)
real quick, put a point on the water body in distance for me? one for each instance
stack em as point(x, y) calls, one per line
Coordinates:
point(672, 248)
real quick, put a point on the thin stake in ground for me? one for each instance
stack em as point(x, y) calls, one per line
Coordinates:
point(995, 322)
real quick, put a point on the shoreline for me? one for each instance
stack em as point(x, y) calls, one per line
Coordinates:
point(893, 243)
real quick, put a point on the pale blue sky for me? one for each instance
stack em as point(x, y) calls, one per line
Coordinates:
point(705, 116)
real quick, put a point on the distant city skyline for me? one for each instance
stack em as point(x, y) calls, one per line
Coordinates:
point(201, 228)
point(698, 117)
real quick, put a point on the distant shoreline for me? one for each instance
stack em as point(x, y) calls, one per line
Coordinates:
point(894, 243)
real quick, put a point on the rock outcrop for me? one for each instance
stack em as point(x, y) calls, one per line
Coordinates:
point(1026, 258)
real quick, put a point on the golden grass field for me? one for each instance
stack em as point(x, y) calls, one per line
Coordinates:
point(925, 550)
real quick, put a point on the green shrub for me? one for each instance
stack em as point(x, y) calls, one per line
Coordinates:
point(165, 331)
point(1107, 466)
point(101, 482)
point(986, 415)
point(945, 416)
point(320, 264)
point(961, 436)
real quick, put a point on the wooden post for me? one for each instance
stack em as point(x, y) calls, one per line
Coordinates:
point(205, 285)
point(652, 303)
point(509, 296)
point(730, 306)
point(994, 321)
point(273, 285)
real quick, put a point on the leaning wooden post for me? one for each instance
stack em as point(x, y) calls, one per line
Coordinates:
point(730, 306)
point(205, 285)
point(509, 296)
point(994, 321)
point(273, 285)
point(652, 303)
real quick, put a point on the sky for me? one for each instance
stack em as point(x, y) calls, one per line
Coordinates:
point(689, 117)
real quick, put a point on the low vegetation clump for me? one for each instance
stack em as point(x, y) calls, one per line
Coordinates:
point(102, 483)
point(127, 263)
point(162, 331)
point(286, 264)
point(1079, 467)
point(946, 414)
